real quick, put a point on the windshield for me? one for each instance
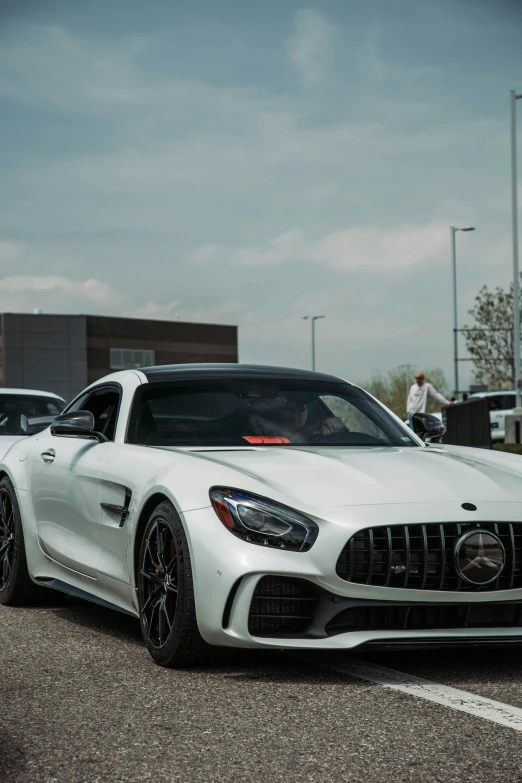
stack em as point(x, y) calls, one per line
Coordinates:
point(23, 414)
point(273, 412)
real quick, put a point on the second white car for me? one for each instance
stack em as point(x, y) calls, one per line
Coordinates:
point(24, 412)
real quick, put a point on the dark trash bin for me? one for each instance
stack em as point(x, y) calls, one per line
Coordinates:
point(467, 423)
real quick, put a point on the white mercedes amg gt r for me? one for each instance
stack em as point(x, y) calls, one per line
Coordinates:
point(229, 505)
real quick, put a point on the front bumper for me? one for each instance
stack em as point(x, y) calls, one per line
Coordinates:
point(227, 572)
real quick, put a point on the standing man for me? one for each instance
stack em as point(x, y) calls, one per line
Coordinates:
point(418, 397)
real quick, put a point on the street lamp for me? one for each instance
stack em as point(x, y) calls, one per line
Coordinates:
point(453, 231)
point(313, 319)
point(516, 282)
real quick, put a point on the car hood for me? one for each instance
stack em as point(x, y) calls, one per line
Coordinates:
point(356, 476)
point(6, 441)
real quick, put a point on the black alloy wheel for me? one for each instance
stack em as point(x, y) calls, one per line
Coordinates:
point(7, 537)
point(16, 586)
point(159, 588)
point(166, 593)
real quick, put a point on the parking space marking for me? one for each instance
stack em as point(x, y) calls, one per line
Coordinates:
point(455, 699)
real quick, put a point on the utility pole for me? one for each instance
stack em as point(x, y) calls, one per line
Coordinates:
point(516, 276)
point(313, 319)
point(453, 231)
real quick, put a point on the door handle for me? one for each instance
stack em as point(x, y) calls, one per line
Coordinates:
point(48, 456)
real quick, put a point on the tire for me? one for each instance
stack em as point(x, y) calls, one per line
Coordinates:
point(166, 593)
point(16, 587)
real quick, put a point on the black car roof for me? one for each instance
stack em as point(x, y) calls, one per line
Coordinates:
point(180, 372)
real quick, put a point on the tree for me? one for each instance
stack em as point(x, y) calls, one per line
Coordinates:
point(392, 389)
point(490, 341)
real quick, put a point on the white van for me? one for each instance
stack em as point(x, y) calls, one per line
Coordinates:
point(501, 403)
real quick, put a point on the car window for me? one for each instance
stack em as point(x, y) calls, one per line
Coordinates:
point(78, 404)
point(274, 412)
point(353, 418)
point(501, 402)
point(23, 414)
point(103, 404)
point(508, 402)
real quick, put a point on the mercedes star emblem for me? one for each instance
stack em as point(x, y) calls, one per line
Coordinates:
point(479, 557)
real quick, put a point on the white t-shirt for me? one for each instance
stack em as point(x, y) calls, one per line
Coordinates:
point(418, 397)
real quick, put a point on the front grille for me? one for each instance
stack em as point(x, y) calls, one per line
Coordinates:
point(420, 557)
point(424, 617)
point(282, 606)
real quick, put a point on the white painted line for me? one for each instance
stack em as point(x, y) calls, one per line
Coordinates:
point(479, 706)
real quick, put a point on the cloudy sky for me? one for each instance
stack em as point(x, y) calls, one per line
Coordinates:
point(253, 162)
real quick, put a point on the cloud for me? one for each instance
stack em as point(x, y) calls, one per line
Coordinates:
point(310, 49)
point(154, 311)
point(51, 68)
point(25, 291)
point(90, 290)
point(290, 246)
point(219, 313)
point(351, 249)
point(173, 154)
point(48, 66)
point(59, 293)
point(49, 294)
point(203, 254)
point(395, 249)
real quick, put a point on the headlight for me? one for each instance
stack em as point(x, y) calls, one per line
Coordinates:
point(263, 522)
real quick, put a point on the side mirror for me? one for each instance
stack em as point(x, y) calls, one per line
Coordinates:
point(79, 424)
point(427, 426)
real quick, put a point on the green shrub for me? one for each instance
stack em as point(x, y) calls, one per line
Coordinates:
point(511, 448)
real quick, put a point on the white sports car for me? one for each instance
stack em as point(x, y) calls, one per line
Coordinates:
point(24, 412)
point(229, 505)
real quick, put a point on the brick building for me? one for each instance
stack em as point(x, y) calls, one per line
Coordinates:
point(65, 353)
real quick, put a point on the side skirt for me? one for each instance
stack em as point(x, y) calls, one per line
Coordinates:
point(64, 587)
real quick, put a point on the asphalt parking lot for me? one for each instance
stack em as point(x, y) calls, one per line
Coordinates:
point(80, 700)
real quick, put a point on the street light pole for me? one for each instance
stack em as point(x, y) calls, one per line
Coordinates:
point(313, 319)
point(455, 333)
point(516, 277)
point(453, 231)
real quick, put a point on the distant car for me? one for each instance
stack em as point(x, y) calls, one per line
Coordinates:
point(501, 403)
point(25, 412)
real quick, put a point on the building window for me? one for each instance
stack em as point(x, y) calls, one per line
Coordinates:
point(127, 359)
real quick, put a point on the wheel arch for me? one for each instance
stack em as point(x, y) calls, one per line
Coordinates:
point(6, 474)
point(15, 469)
